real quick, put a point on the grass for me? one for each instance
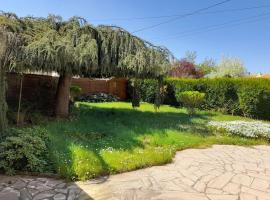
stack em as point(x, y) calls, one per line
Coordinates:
point(108, 138)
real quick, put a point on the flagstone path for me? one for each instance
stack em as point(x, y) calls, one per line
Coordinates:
point(218, 173)
point(28, 188)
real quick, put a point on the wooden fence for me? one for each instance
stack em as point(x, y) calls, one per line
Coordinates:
point(43, 88)
point(115, 87)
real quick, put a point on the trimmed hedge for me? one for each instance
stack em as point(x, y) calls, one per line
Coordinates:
point(249, 97)
point(147, 89)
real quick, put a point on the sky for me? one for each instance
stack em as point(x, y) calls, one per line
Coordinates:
point(237, 28)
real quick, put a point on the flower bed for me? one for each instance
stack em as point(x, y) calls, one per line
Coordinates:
point(249, 129)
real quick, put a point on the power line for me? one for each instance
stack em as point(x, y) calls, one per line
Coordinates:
point(236, 9)
point(182, 16)
point(220, 26)
point(177, 15)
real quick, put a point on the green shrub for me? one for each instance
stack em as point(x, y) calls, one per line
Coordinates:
point(254, 101)
point(147, 89)
point(221, 95)
point(24, 150)
point(191, 100)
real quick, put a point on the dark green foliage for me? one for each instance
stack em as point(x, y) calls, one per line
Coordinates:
point(254, 101)
point(136, 95)
point(221, 95)
point(148, 90)
point(159, 94)
point(242, 96)
point(8, 54)
point(24, 150)
point(3, 104)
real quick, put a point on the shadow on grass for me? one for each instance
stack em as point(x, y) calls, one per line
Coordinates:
point(96, 129)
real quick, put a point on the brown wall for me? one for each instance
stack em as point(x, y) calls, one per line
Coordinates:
point(116, 87)
point(38, 88)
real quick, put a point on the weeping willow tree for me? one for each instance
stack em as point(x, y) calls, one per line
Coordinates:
point(75, 47)
point(8, 54)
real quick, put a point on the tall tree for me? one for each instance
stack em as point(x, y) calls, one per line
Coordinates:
point(8, 51)
point(230, 67)
point(185, 69)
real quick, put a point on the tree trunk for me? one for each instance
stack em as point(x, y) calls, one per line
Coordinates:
point(62, 96)
point(3, 104)
point(136, 94)
point(158, 96)
point(19, 103)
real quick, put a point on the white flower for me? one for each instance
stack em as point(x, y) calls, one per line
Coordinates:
point(252, 129)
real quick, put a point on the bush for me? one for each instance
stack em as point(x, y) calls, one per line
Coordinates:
point(191, 100)
point(147, 89)
point(254, 101)
point(24, 150)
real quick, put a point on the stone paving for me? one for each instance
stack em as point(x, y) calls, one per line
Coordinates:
point(33, 188)
point(218, 173)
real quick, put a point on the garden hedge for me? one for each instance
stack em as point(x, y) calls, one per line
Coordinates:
point(249, 97)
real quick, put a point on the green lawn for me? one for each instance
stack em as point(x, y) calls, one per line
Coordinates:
point(107, 138)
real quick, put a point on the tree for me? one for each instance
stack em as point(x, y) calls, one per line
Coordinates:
point(191, 56)
point(8, 51)
point(185, 69)
point(207, 66)
point(66, 47)
point(230, 67)
point(74, 47)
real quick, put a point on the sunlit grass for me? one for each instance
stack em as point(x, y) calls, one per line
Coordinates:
point(107, 138)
